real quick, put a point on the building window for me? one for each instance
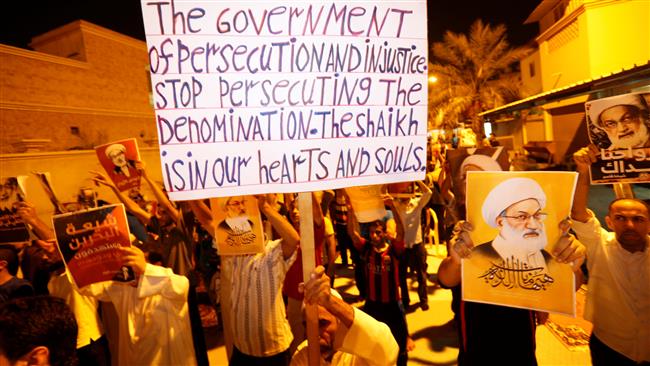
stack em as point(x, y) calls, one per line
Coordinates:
point(531, 69)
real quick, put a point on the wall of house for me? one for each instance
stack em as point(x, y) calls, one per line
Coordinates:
point(531, 74)
point(619, 35)
point(605, 36)
point(534, 126)
point(560, 49)
point(98, 95)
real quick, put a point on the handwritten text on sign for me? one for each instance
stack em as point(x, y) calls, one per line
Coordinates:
point(255, 97)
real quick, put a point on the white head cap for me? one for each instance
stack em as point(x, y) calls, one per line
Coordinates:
point(484, 162)
point(114, 148)
point(509, 192)
point(596, 107)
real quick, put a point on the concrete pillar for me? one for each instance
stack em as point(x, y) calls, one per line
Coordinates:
point(548, 126)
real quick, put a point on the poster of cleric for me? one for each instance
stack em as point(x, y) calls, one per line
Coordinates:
point(239, 225)
point(516, 217)
point(89, 242)
point(12, 227)
point(619, 127)
point(118, 159)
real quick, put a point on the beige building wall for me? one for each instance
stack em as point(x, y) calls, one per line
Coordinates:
point(564, 53)
point(83, 86)
point(593, 38)
point(531, 73)
point(619, 35)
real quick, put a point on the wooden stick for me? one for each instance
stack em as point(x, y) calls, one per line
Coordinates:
point(308, 264)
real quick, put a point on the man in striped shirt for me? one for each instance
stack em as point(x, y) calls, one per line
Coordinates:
point(381, 255)
point(255, 310)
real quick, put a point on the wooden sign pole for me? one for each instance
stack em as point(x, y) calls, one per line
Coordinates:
point(308, 265)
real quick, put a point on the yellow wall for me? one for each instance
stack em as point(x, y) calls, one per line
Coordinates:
point(595, 38)
point(532, 84)
point(565, 55)
point(619, 35)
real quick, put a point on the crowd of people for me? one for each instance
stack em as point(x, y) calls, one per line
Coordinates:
point(45, 319)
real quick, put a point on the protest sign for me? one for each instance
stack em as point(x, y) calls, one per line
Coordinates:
point(12, 227)
point(239, 225)
point(118, 159)
point(619, 127)
point(367, 203)
point(515, 217)
point(46, 182)
point(259, 97)
point(89, 243)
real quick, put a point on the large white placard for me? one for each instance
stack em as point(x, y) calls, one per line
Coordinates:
point(268, 96)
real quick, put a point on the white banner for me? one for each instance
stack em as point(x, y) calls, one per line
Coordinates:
point(260, 96)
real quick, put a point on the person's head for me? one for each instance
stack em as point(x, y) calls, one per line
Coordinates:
point(624, 119)
point(234, 206)
point(155, 258)
point(294, 213)
point(87, 197)
point(164, 218)
point(39, 330)
point(377, 233)
point(630, 221)
point(8, 188)
point(8, 259)
point(328, 325)
point(117, 154)
point(515, 207)
point(136, 196)
point(476, 162)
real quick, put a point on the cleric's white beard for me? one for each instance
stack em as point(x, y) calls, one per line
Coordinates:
point(636, 140)
point(519, 244)
point(239, 224)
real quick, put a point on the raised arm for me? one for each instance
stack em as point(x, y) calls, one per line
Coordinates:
point(203, 215)
point(426, 195)
point(27, 213)
point(583, 159)
point(161, 197)
point(289, 235)
point(399, 225)
point(129, 204)
point(353, 224)
point(570, 250)
point(460, 246)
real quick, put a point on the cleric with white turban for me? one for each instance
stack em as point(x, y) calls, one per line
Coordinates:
point(624, 118)
point(508, 193)
point(515, 207)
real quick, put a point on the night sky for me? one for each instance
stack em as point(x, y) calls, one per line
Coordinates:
point(30, 18)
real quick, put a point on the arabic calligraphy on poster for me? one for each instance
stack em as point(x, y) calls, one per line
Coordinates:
point(620, 127)
point(89, 242)
point(516, 217)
